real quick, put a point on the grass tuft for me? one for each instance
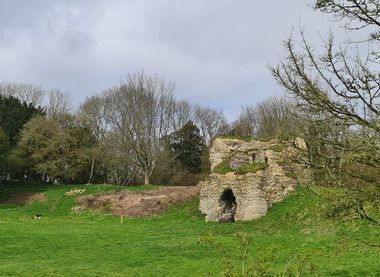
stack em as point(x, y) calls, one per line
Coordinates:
point(278, 147)
point(251, 168)
point(223, 168)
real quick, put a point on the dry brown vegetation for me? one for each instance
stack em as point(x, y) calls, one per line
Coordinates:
point(23, 198)
point(141, 203)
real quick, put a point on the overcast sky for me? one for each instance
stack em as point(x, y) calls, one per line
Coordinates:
point(216, 51)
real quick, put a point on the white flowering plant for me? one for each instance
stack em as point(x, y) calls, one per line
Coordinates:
point(75, 192)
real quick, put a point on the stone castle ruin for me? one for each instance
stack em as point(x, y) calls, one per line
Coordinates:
point(247, 178)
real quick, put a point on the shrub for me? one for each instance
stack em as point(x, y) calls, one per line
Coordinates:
point(223, 168)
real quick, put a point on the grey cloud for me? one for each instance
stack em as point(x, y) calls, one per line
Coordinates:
point(217, 51)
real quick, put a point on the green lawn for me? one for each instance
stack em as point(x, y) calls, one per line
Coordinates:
point(294, 233)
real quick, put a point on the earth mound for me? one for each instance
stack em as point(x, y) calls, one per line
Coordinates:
point(141, 203)
point(23, 198)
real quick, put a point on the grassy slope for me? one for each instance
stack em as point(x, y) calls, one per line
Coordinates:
point(168, 245)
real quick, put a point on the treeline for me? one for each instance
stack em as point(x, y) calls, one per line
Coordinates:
point(136, 132)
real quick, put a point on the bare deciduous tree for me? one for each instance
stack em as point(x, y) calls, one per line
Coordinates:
point(275, 117)
point(142, 113)
point(271, 118)
point(58, 102)
point(341, 82)
point(183, 113)
point(28, 93)
point(94, 112)
point(246, 124)
point(210, 122)
point(359, 14)
point(341, 87)
point(118, 159)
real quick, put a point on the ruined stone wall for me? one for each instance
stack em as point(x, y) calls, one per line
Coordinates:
point(254, 192)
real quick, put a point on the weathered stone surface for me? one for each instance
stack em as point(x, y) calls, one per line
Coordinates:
point(254, 192)
point(300, 144)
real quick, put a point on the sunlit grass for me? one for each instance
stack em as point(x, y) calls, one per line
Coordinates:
point(94, 244)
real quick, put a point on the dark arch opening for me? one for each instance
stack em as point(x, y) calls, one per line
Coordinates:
point(228, 206)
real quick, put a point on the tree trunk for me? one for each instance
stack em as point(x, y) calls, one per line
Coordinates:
point(146, 178)
point(92, 170)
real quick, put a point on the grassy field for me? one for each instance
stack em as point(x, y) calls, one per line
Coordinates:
point(294, 233)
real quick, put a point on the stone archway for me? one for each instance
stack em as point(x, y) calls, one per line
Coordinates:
point(228, 206)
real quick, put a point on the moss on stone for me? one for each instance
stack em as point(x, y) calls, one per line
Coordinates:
point(285, 162)
point(222, 168)
point(278, 148)
point(251, 168)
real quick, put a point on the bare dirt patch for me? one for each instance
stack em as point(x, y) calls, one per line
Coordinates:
point(24, 198)
point(139, 204)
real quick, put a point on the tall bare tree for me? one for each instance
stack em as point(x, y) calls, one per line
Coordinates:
point(95, 114)
point(118, 160)
point(274, 117)
point(210, 122)
point(28, 93)
point(246, 124)
point(142, 112)
point(58, 102)
point(183, 113)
